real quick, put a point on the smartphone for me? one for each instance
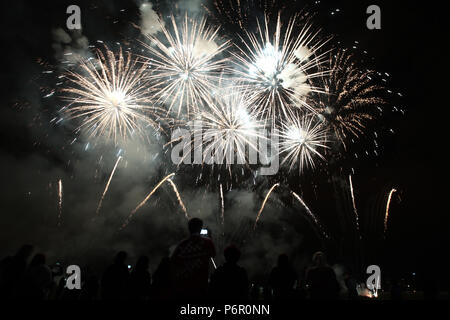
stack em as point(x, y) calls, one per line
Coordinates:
point(129, 267)
point(204, 232)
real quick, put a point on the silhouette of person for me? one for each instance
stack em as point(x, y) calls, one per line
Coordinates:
point(38, 279)
point(190, 263)
point(230, 280)
point(162, 284)
point(429, 275)
point(282, 279)
point(396, 289)
point(321, 279)
point(350, 283)
point(140, 280)
point(12, 269)
point(90, 289)
point(115, 279)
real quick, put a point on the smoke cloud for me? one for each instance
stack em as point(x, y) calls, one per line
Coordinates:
point(150, 22)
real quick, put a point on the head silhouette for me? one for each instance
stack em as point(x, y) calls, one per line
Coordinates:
point(195, 225)
point(283, 260)
point(25, 251)
point(38, 259)
point(142, 263)
point(121, 256)
point(232, 254)
point(319, 259)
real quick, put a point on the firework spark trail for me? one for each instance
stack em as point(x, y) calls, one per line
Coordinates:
point(145, 200)
point(110, 96)
point(214, 263)
point(107, 185)
point(175, 189)
point(388, 203)
point(60, 201)
point(222, 206)
point(314, 218)
point(279, 68)
point(354, 206)
point(264, 204)
point(185, 72)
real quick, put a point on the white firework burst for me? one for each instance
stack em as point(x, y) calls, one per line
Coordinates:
point(278, 67)
point(230, 129)
point(302, 138)
point(109, 95)
point(185, 64)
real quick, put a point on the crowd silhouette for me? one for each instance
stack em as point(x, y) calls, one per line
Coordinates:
point(187, 274)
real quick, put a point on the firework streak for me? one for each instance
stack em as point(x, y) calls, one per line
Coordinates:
point(107, 185)
point(313, 217)
point(174, 187)
point(60, 199)
point(222, 206)
point(145, 200)
point(264, 203)
point(388, 203)
point(354, 206)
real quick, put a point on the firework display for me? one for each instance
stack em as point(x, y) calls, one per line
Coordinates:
point(287, 135)
point(283, 76)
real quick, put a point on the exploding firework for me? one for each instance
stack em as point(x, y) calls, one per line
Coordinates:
point(185, 65)
point(109, 95)
point(107, 185)
point(301, 139)
point(228, 126)
point(351, 98)
point(279, 66)
point(280, 70)
point(226, 133)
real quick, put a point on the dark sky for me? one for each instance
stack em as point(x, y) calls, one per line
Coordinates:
point(411, 47)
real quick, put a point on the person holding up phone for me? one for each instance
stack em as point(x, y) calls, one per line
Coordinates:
point(190, 262)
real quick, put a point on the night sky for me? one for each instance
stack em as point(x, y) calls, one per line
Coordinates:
point(410, 47)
